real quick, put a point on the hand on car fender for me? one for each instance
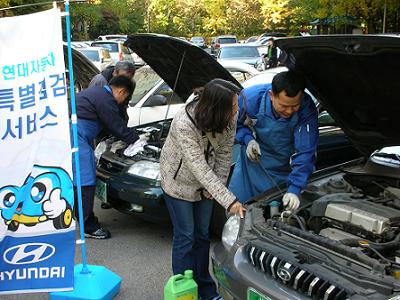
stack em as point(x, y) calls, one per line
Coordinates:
point(291, 201)
point(144, 136)
point(253, 151)
point(237, 208)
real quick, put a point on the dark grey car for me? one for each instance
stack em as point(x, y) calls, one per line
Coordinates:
point(344, 240)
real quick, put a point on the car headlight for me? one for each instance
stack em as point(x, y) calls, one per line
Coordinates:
point(100, 149)
point(231, 231)
point(146, 169)
point(260, 65)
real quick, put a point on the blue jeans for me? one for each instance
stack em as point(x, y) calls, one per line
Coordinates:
point(191, 243)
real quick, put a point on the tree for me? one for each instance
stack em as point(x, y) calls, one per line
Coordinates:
point(250, 21)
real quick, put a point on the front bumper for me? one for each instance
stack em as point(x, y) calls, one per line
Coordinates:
point(236, 276)
point(135, 197)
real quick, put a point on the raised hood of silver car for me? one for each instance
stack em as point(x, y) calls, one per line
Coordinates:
point(168, 56)
point(357, 79)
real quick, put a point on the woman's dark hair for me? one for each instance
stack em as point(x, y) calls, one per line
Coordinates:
point(214, 108)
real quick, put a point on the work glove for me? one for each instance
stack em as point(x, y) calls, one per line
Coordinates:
point(144, 136)
point(253, 151)
point(291, 201)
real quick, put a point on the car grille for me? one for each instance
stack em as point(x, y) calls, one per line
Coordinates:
point(110, 167)
point(301, 280)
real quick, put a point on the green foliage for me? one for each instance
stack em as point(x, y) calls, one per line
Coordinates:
point(211, 17)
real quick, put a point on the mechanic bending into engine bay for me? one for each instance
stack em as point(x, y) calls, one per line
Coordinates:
point(278, 133)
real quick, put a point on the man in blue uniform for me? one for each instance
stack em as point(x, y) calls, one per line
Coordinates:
point(97, 108)
point(278, 139)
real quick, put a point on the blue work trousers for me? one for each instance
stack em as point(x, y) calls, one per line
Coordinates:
point(191, 243)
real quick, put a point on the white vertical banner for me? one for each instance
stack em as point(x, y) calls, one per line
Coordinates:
point(37, 231)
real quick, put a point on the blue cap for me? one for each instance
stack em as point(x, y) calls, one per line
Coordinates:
point(275, 203)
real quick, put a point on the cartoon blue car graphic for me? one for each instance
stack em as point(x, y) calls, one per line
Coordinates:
point(47, 194)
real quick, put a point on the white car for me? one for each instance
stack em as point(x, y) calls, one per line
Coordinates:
point(152, 94)
point(117, 50)
point(99, 56)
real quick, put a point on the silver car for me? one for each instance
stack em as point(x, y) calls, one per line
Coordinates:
point(343, 241)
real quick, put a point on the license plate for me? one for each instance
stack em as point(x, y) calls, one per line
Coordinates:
point(254, 295)
point(101, 190)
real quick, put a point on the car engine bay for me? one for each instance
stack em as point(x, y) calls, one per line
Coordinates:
point(158, 133)
point(355, 211)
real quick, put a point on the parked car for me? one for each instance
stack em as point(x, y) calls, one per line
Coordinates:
point(343, 241)
point(117, 50)
point(108, 37)
point(252, 39)
point(84, 69)
point(222, 39)
point(132, 184)
point(152, 94)
point(198, 41)
point(99, 56)
point(249, 54)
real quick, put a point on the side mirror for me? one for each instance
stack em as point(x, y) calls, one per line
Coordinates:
point(102, 59)
point(155, 100)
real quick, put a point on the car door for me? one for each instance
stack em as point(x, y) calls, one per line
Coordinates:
point(150, 113)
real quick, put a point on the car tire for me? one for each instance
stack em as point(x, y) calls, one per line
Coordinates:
point(13, 226)
point(64, 220)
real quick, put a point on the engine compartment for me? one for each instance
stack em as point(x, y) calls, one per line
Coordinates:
point(151, 151)
point(358, 211)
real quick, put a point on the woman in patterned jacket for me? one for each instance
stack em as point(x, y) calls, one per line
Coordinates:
point(195, 164)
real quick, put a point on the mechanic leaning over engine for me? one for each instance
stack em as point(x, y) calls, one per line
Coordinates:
point(278, 133)
point(97, 107)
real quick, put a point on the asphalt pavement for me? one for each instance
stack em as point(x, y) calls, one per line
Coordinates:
point(139, 252)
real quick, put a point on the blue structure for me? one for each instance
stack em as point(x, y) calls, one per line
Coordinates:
point(90, 282)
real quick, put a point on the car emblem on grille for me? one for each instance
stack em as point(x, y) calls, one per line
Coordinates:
point(109, 165)
point(283, 274)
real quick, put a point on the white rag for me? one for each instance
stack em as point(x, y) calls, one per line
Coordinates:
point(135, 148)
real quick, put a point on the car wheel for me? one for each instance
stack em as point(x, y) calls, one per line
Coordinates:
point(13, 226)
point(218, 220)
point(64, 220)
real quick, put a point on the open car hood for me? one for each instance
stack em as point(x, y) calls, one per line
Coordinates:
point(164, 54)
point(356, 78)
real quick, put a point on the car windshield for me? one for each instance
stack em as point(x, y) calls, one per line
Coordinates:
point(233, 52)
point(227, 40)
point(93, 55)
point(112, 47)
point(145, 79)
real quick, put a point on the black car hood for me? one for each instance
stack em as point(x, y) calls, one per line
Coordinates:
point(357, 79)
point(164, 55)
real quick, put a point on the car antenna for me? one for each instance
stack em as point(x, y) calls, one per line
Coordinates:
point(172, 94)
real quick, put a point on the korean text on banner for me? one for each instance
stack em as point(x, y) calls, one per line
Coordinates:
point(37, 231)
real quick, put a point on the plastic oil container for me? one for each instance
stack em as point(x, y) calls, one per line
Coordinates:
point(181, 287)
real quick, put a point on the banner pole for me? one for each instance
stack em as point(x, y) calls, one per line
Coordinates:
point(75, 149)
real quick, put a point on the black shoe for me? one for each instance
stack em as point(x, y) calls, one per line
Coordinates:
point(105, 206)
point(100, 234)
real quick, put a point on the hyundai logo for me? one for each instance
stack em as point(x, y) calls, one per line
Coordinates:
point(283, 274)
point(29, 253)
point(109, 166)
